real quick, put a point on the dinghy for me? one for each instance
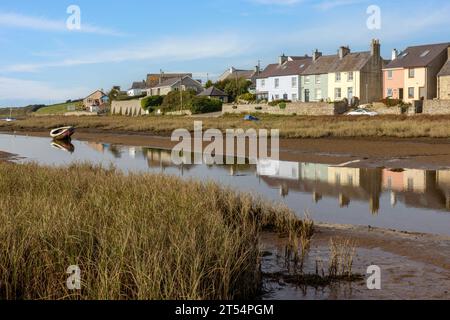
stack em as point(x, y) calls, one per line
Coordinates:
point(64, 145)
point(62, 133)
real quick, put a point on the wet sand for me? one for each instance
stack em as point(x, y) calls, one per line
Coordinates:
point(390, 153)
point(413, 266)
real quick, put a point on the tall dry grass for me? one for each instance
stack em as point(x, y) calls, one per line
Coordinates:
point(289, 126)
point(133, 236)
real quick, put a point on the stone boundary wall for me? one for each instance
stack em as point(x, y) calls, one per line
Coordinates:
point(130, 108)
point(296, 108)
point(434, 107)
point(380, 108)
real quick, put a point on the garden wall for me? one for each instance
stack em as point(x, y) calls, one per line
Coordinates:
point(436, 107)
point(127, 108)
point(297, 108)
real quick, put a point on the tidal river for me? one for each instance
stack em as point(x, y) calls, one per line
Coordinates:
point(413, 200)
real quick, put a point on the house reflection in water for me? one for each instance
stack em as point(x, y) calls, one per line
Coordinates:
point(416, 188)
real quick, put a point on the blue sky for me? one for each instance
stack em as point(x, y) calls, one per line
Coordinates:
point(121, 41)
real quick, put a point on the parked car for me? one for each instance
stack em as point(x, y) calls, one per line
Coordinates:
point(362, 112)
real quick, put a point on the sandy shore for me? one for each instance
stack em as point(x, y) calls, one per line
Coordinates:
point(413, 266)
point(358, 152)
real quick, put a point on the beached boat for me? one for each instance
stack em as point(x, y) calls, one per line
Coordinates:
point(64, 145)
point(62, 133)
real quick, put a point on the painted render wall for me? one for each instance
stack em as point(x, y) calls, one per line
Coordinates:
point(285, 87)
point(313, 85)
point(343, 84)
point(396, 83)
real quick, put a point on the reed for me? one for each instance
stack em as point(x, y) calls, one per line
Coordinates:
point(136, 236)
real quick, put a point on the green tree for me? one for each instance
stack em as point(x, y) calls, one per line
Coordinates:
point(234, 87)
point(209, 84)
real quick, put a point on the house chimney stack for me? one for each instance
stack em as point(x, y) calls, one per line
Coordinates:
point(394, 54)
point(283, 59)
point(343, 51)
point(316, 55)
point(375, 48)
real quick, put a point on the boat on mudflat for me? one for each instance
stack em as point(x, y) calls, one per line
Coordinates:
point(62, 133)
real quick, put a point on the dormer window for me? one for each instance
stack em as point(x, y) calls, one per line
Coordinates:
point(404, 54)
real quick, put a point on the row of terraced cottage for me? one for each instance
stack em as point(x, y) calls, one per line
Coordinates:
point(419, 75)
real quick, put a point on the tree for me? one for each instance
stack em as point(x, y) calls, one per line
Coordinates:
point(234, 87)
point(114, 93)
point(209, 84)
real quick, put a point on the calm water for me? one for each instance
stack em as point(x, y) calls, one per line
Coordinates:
point(406, 200)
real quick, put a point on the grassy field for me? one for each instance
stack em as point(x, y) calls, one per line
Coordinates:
point(57, 108)
point(133, 236)
point(290, 127)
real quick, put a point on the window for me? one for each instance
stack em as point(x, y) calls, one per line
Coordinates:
point(263, 83)
point(350, 94)
point(318, 94)
point(294, 82)
point(390, 74)
point(425, 53)
point(277, 83)
point(389, 93)
point(318, 79)
point(307, 79)
point(411, 93)
point(338, 76)
point(411, 73)
point(277, 97)
point(337, 93)
point(350, 76)
point(404, 54)
point(294, 97)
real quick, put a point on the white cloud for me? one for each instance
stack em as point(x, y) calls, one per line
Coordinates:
point(14, 20)
point(169, 49)
point(25, 90)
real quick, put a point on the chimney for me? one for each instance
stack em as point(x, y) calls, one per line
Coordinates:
point(232, 70)
point(375, 48)
point(257, 70)
point(316, 55)
point(394, 54)
point(343, 51)
point(448, 54)
point(283, 59)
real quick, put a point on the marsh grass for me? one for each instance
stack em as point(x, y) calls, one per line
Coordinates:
point(136, 236)
point(418, 126)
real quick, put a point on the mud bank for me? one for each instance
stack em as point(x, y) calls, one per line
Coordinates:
point(387, 152)
point(413, 266)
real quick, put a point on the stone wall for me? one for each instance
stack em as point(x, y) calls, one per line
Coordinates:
point(382, 109)
point(127, 108)
point(444, 87)
point(436, 107)
point(297, 108)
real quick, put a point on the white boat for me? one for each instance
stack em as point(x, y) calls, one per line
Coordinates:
point(62, 133)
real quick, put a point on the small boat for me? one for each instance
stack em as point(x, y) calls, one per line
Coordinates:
point(62, 133)
point(64, 145)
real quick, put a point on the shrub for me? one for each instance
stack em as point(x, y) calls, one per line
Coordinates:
point(277, 102)
point(247, 97)
point(389, 102)
point(149, 103)
point(282, 105)
point(172, 101)
point(205, 105)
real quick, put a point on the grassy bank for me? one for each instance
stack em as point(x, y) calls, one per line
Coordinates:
point(290, 127)
point(134, 237)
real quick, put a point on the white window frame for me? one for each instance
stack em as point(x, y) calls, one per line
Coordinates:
point(390, 92)
point(277, 83)
point(390, 74)
point(350, 76)
point(411, 73)
point(294, 97)
point(307, 79)
point(318, 80)
point(336, 96)
point(294, 82)
point(338, 77)
point(409, 93)
point(318, 94)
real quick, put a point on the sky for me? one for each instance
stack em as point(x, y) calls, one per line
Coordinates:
point(43, 61)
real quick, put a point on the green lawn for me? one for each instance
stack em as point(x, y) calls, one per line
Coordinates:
point(57, 108)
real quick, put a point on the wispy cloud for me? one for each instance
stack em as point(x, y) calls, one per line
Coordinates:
point(276, 2)
point(169, 49)
point(26, 90)
point(331, 4)
point(15, 20)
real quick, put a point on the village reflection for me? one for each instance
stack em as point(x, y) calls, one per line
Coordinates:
point(415, 188)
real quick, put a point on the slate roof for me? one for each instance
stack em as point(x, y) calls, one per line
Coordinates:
point(139, 85)
point(328, 64)
point(418, 56)
point(213, 92)
point(295, 67)
point(445, 71)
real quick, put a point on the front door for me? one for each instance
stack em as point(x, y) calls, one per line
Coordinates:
point(350, 95)
point(400, 93)
point(306, 95)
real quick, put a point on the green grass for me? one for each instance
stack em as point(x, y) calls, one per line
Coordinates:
point(137, 236)
point(57, 108)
